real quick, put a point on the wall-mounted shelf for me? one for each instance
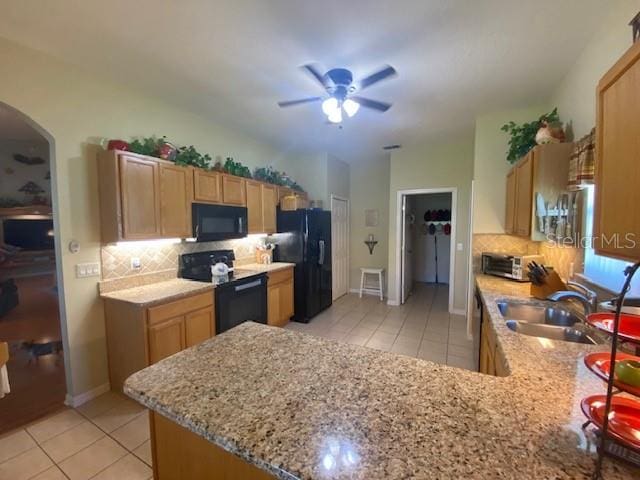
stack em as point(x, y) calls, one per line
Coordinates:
point(371, 244)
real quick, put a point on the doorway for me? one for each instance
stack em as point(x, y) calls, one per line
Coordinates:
point(426, 243)
point(30, 320)
point(340, 246)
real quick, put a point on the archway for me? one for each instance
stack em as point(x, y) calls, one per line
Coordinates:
point(32, 313)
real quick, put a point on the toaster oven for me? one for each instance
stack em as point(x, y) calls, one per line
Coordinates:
point(504, 265)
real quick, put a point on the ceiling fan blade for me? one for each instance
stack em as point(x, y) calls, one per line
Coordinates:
point(380, 75)
point(290, 103)
point(374, 104)
point(323, 80)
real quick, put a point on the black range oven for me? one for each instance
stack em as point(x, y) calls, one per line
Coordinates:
point(218, 222)
point(241, 299)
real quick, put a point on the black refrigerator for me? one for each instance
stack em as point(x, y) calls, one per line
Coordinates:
point(304, 238)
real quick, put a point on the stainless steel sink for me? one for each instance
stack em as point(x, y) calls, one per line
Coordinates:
point(566, 334)
point(538, 314)
point(550, 322)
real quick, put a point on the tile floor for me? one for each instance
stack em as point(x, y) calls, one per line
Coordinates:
point(106, 438)
point(421, 328)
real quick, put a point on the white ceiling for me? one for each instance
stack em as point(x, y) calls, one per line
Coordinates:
point(232, 60)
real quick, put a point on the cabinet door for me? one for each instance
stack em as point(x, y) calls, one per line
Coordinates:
point(233, 190)
point(254, 207)
point(269, 202)
point(286, 301)
point(198, 326)
point(175, 201)
point(511, 202)
point(524, 195)
point(166, 338)
point(273, 305)
point(283, 192)
point(140, 195)
point(617, 196)
point(206, 186)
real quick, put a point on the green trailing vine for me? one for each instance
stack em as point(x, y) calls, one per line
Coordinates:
point(523, 137)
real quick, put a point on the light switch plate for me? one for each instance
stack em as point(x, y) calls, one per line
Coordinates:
point(84, 270)
point(459, 247)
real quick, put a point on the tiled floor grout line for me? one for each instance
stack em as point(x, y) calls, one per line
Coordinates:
point(47, 455)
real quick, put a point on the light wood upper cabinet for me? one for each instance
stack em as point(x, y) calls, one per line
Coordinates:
point(510, 210)
point(254, 206)
point(207, 186)
point(261, 207)
point(233, 190)
point(175, 201)
point(617, 194)
point(269, 202)
point(544, 171)
point(140, 196)
point(524, 195)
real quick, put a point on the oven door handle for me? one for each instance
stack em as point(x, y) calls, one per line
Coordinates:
point(255, 283)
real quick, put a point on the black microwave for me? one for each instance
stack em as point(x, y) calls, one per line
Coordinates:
point(218, 222)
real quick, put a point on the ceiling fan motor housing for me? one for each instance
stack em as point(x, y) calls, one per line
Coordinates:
point(342, 80)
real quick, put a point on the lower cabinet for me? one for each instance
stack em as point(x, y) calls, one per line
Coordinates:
point(280, 297)
point(139, 336)
point(492, 360)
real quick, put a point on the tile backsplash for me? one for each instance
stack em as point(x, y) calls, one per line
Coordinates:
point(561, 258)
point(159, 256)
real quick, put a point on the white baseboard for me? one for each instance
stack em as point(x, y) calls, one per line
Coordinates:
point(393, 302)
point(459, 311)
point(76, 401)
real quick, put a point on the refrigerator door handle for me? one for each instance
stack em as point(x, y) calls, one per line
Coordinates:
point(321, 256)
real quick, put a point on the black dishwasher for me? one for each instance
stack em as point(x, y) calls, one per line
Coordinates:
point(241, 301)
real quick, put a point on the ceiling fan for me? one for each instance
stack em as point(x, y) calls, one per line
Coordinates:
point(339, 84)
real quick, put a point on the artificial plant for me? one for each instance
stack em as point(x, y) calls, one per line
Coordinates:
point(523, 137)
point(190, 156)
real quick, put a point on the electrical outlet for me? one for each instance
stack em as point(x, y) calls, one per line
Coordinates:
point(135, 263)
point(84, 270)
point(459, 247)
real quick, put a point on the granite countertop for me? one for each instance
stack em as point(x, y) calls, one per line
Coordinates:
point(304, 407)
point(159, 292)
point(265, 268)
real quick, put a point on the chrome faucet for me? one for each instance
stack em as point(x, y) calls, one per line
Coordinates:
point(586, 301)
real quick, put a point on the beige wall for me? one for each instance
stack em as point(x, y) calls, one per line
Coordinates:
point(369, 190)
point(576, 94)
point(490, 166)
point(338, 178)
point(448, 163)
point(75, 108)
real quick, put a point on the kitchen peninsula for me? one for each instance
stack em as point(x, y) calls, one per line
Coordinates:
point(277, 403)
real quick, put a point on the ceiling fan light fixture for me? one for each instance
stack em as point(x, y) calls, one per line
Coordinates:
point(330, 106)
point(335, 116)
point(351, 107)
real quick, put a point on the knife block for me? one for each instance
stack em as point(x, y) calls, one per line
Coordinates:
point(552, 284)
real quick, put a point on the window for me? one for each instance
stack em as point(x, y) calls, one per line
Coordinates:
point(604, 271)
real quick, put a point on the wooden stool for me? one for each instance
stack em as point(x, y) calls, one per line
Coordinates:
point(372, 271)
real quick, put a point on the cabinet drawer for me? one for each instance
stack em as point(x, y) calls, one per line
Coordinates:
point(280, 276)
point(180, 307)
